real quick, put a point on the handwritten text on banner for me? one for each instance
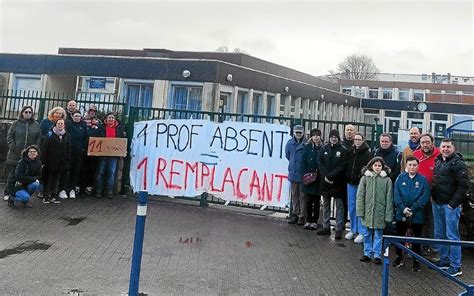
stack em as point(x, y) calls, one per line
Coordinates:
point(235, 161)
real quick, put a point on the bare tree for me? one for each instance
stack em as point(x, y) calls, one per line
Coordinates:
point(356, 67)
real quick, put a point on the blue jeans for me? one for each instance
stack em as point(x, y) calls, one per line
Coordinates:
point(24, 195)
point(106, 170)
point(373, 242)
point(356, 222)
point(446, 226)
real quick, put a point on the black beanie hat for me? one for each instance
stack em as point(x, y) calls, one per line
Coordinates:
point(334, 133)
point(314, 132)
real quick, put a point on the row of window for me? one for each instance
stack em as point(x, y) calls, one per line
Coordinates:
point(387, 93)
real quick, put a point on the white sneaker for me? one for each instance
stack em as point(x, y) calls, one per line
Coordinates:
point(349, 235)
point(72, 194)
point(77, 190)
point(359, 239)
point(307, 225)
point(6, 197)
point(314, 226)
point(62, 194)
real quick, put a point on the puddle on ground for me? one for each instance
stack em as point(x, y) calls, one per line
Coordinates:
point(26, 246)
point(73, 221)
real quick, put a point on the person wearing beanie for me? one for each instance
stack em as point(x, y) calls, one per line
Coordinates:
point(311, 191)
point(294, 153)
point(332, 165)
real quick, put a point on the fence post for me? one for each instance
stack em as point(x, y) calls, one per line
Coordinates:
point(386, 267)
point(203, 200)
point(138, 244)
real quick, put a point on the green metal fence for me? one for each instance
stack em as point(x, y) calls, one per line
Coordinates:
point(11, 103)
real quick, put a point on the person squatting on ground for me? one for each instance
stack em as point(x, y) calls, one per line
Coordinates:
point(374, 207)
point(311, 191)
point(357, 158)
point(332, 167)
point(411, 194)
point(56, 157)
point(23, 133)
point(77, 129)
point(294, 153)
point(27, 174)
point(107, 166)
point(450, 189)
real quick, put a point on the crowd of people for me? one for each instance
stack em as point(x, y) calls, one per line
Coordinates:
point(50, 158)
point(418, 191)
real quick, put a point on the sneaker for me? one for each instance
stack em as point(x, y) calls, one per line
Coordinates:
point(442, 264)
point(313, 226)
point(16, 204)
point(338, 234)
point(55, 200)
point(62, 194)
point(324, 231)
point(46, 200)
point(6, 197)
point(88, 190)
point(398, 262)
point(40, 194)
point(72, 194)
point(416, 266)
point(364, 259)
point(359, 239)
point(301, 221)
point(77, 190)
point(10, 202)
point(453, 271)
point(349, 235)
point(378, 261)
point(307, 225)
point(109, 195)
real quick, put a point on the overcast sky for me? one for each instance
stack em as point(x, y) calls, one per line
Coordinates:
point(310, 36)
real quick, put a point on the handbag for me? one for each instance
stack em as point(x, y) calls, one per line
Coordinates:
point(309, 178)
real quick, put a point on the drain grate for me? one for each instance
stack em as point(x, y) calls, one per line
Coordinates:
point(23, 247)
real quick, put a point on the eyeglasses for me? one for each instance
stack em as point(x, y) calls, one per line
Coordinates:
point(298, 132)
point(27, 112)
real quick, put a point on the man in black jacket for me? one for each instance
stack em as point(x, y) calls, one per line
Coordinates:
point(390, 155)
point(332, 166)
point(450, 188)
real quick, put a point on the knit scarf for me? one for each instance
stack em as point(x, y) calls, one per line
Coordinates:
point(413, 145)
point(58, 132)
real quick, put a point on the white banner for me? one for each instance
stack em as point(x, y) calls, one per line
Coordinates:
point(235, 161)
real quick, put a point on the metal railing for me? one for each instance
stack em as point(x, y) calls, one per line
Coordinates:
point(398, 242)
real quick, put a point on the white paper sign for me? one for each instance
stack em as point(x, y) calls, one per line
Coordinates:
point(235, 161)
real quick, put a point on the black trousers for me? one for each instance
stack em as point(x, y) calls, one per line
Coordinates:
point(88, 171)
point(55, 181)
point(401, 229)
point(75, 171)
point(312, 207)
point(9, 178)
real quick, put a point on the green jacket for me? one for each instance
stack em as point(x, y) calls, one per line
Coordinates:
point(22, 133)
point(374, 200)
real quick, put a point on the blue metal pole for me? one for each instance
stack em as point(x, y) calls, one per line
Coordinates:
point(138, 244)
point(386, 267)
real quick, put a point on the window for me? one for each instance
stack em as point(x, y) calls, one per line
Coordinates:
point(387, 93)
point(374, 93)
point(403, 95)
point(371, 111)
point(186, 98)
point(441, 117)
point(139, 95)
point(257, 104)
point(393, 114)
point(242, 102)
point(346, 90)
point(419, 95)
point(359, 92)
point(415, 115)
point(270, 106)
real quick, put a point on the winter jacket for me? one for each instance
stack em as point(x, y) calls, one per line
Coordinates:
point(427, 163)
point(405, 154)
point(450, 181)
point(374, 200)
point(27, 171)
point(332, 165)
point(392, 158)
point(45, 126)
point(356, 160)
point(413, 193)
point(347, 143)
point(119, 130)
point(294, 154)
point(22, 133)
point(310, 164)
point(78, 133)
point(56, 152)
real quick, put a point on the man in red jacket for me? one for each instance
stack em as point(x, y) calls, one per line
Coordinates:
point(427, 155)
